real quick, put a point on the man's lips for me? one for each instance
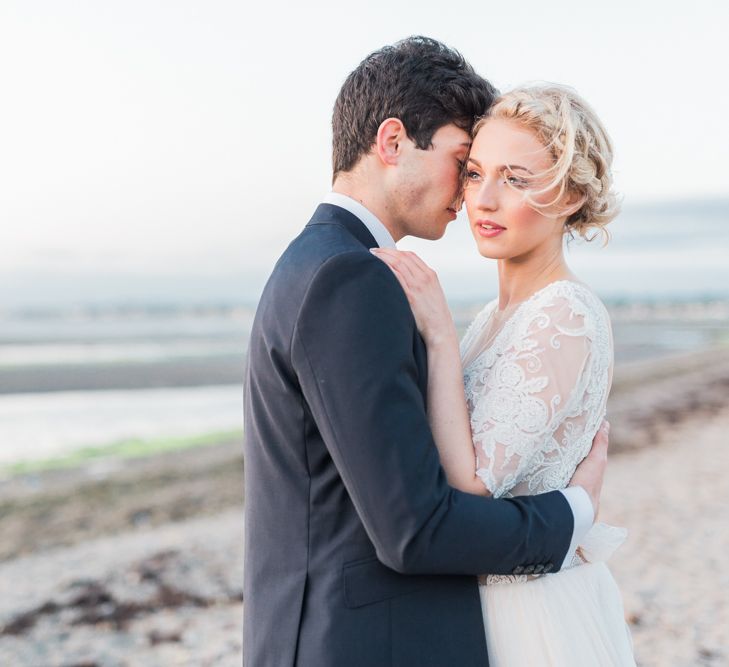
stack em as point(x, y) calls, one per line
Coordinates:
point(488, 228)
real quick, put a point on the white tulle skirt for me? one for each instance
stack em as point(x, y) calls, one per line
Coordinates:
point(573, 618)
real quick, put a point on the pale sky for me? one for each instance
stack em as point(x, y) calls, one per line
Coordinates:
point(178, 137)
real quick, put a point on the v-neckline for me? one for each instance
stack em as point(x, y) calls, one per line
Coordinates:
point(517, 308)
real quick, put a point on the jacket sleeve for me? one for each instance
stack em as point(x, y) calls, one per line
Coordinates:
point(353, 352)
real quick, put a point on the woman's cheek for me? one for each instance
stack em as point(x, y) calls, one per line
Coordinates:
point(469, 207)
point(525, 217)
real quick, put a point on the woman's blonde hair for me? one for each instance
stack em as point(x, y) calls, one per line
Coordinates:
point(580, 147)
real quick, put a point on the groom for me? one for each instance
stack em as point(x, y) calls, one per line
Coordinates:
point(358, 553)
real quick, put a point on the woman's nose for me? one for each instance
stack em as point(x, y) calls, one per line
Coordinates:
point(487, 195)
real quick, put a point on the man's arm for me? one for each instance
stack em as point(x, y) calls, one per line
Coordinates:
point(353, 354)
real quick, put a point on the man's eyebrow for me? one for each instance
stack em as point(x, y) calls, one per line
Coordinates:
point(503, 166)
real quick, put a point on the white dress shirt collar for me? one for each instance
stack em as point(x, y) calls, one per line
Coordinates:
point(368, 218)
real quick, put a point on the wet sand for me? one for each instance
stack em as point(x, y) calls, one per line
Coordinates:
point(163, 373)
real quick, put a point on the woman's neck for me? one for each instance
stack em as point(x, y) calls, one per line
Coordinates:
point(520, 277)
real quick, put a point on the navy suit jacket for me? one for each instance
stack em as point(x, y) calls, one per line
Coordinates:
point(358, 553)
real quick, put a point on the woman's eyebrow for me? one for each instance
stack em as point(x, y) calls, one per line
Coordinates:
point(503, 166)
point(517, 166)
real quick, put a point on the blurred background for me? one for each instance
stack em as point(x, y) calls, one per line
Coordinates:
point(156, 158)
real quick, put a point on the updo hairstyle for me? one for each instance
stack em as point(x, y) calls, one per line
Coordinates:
point(580, 147)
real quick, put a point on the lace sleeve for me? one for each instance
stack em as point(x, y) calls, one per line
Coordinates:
point(539, 403)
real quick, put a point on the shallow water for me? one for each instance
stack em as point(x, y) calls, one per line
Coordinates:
point(39, 426)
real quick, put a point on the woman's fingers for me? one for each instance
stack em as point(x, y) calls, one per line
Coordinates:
point(389, 258)
point(427, 275)
point(421, 287)
point(416, 271)
point(395, 266)
point(415, 260)
point(400, 261)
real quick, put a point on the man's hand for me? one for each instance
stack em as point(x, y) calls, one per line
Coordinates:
point(589, 474)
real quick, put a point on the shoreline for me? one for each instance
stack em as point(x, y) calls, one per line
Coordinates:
point(47, 505)
point(702, 372)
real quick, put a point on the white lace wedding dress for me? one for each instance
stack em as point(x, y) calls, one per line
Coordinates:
point(537, 376)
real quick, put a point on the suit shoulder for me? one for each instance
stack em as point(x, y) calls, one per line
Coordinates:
point(326, 238)
point(356, 279)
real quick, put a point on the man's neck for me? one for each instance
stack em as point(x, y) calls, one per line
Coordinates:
point(372, 202)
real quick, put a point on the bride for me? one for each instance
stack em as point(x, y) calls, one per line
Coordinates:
point(536, 364)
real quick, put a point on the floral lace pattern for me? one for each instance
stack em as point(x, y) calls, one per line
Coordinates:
point(537, 390)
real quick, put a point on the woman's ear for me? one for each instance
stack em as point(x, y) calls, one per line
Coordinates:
point(388, 143)
point(572, 202)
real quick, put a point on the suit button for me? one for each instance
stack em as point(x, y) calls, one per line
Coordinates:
point(548, 567)
point(538, 568)
point(518, 569)
point(528, 569)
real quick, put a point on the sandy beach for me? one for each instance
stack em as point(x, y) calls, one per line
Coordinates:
point(139, 562)
point(675, 587)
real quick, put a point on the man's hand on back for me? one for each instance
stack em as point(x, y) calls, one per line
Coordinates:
point(589, 474)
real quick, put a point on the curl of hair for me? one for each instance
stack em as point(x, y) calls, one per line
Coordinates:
point(581, 150)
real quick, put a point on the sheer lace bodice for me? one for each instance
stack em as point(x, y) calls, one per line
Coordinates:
point(536, 384)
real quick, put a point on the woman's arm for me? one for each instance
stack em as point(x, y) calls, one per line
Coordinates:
point(447, 409)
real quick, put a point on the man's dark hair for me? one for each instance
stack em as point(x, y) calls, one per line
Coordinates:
point(419, 80)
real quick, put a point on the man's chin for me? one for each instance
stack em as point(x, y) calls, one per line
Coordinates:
point(431, 233)
point(439, 231)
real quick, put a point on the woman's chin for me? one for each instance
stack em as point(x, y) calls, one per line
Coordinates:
point(489, 252)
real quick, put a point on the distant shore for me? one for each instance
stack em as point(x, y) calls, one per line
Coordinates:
point(196, 351)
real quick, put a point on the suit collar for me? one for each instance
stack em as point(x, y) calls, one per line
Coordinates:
point(371, 221)
point(327, 214)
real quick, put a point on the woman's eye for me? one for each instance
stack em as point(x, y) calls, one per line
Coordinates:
point(515, 180)
point(472, 175)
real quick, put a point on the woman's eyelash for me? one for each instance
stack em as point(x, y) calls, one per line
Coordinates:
point(509, 178)
point(515, 180)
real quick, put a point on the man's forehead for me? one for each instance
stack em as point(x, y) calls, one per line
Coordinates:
point(452, 135)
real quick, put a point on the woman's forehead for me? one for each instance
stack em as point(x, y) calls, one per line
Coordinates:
point(508, 142)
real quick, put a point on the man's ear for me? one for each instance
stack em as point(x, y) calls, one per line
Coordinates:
point(390, 136)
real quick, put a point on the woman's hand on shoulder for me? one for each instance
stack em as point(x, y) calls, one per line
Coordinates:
point(423, 291)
